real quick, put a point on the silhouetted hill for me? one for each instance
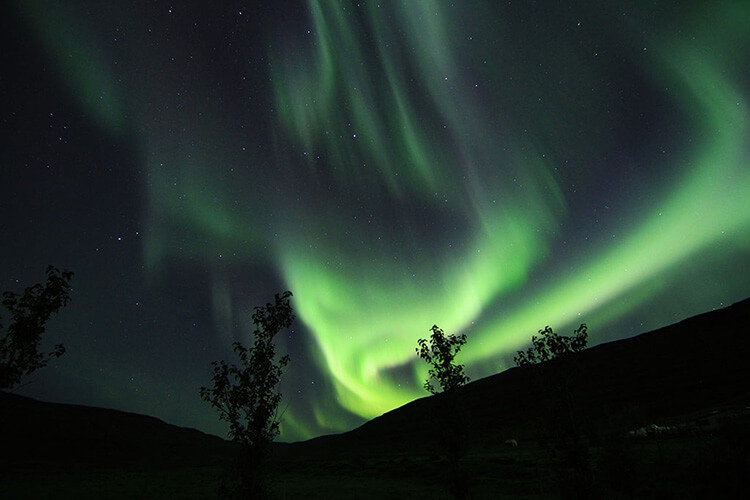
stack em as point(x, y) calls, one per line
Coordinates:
point(672, 374)
point(58, 437)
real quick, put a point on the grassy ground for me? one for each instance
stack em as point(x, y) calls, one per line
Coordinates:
point(369, 478)
point(710, 462)
point(190, 483)
point(683, 467)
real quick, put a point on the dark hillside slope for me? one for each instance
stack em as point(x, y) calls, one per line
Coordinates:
point(39, 436)
point(681, 371)
point(670, 374)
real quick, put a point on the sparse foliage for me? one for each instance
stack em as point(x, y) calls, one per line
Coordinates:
point(440, 352)
point(449, 423)
point(29, 313)
point(563, 424)
point(246, 396)
point(549, 345)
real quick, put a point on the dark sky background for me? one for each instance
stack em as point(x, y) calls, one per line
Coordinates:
point(489, 167)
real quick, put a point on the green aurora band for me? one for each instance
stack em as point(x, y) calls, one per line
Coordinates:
point(386, 116)
point(365, 318)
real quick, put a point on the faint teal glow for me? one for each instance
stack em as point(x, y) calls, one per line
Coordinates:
point(85, 66)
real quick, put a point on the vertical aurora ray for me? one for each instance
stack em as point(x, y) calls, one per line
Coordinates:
point(93, 79)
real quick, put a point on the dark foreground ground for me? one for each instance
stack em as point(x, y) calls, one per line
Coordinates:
point(707, 465)
point(677, 378)
point(710, 465)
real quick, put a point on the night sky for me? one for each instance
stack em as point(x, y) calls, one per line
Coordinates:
point(490, 167)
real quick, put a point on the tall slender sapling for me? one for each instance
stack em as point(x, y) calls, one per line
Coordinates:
point(247, 396)
point(450, 427)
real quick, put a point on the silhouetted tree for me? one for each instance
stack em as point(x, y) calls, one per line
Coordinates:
point(439, 353)
point(549, 345)
point(247, 396)
point(450, 429)
point(29, 313)
point(568, 447)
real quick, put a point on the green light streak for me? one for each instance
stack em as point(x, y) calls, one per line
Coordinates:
point(185, 208)
point(67, 37)
point(365, 326)
point(709, 207)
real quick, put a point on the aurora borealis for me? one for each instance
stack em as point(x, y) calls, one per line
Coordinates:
point(489, 167)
